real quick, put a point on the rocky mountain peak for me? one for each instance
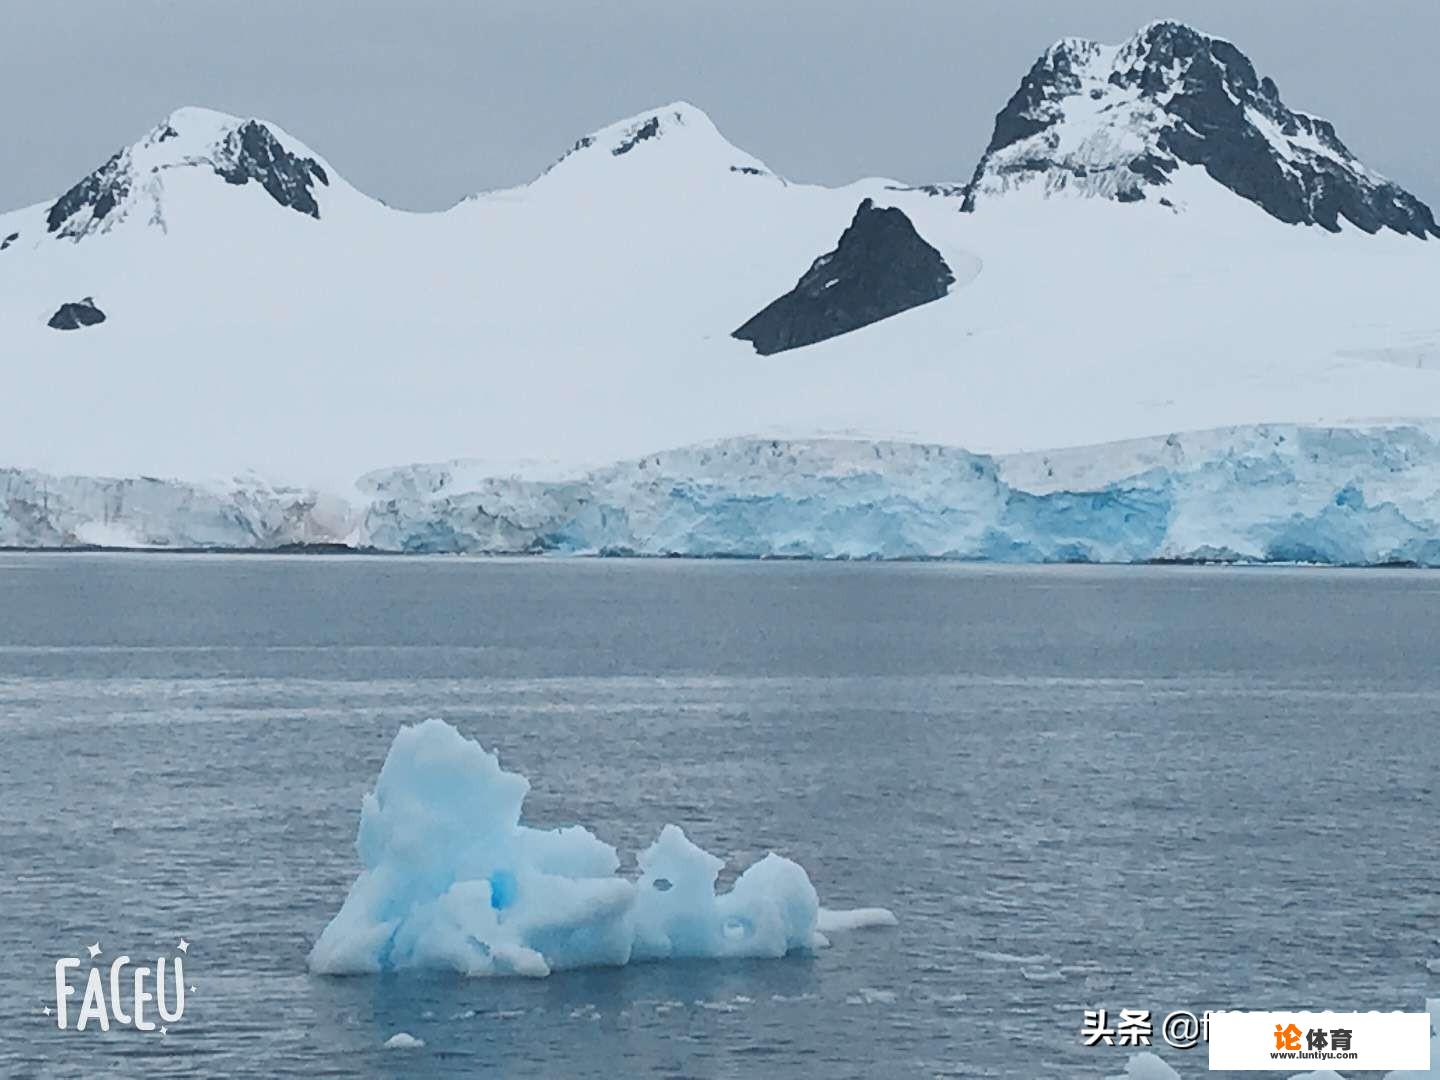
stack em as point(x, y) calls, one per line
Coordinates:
point(1119, 121)
point(675, 136)
point(236, 150)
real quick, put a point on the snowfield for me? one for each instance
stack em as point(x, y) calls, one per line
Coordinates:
point(264, 320)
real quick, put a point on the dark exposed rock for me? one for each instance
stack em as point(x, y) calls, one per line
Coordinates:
point(1024, 114)
point(9, 240)
point(748, 170)
point(939, 191)
point(76, 314)
point(647, 130)
point(1200, 102)
point(251, 152)
point(880, 268)
point(101, 192)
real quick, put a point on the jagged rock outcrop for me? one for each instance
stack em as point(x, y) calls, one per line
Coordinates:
point(76, 314)
point(880, 267)
point(251, 152)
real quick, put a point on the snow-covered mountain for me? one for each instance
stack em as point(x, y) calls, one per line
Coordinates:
point(1120, 122)
point(1152, 243)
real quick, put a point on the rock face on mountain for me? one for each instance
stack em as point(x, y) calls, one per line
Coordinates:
point(91, 201)
point(236, 151)
point(251, 152)
point(76, 314)
point(1119, 122)
point(880, 268)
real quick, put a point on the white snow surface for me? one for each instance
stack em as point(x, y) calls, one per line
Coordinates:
point(452, 880)
point(584, 318)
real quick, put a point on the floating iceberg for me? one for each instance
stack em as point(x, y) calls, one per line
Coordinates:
point(452, 880)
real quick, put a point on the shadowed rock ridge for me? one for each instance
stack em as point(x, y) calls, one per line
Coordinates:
point(880, 267)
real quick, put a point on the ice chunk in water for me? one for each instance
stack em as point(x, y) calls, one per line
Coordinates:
point(453, 880)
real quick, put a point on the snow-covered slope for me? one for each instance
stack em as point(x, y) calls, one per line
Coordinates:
point(261, 317)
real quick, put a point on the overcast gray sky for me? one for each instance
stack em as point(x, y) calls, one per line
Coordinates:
point(421, 102)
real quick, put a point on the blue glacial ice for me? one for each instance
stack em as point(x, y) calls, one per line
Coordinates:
point(1262, 493)
point(452, 880)
point(1270, 493)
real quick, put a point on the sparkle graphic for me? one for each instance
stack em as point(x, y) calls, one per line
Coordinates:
point(164, 1031)
point(94, 950)
point(47, 1010)
point(184, 946)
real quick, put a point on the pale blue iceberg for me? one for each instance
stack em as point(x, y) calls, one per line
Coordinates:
point(452, 880)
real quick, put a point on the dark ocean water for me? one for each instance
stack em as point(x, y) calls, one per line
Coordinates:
point(1156, 788)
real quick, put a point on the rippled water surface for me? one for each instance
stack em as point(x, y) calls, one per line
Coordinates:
point(1077, 787)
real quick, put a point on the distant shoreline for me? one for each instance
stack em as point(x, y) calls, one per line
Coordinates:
point(332, 549)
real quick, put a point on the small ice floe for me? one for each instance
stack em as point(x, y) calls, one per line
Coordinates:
point(1013, 958)
point(717, 1006)
point(831, 921)
point(794, 997)
point(1146, 1066)
point(1031, 975)
point(868, 995)
point(466, 1014)
point(403, 1040)
point(1433, 965)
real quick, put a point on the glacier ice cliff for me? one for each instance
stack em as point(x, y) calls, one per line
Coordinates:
point(1266, 493)
point(42, 511)
point(1261, 493)
point(453, 881)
